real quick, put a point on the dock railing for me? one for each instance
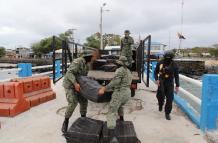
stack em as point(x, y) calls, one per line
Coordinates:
point(26, 70)
point(203, 109)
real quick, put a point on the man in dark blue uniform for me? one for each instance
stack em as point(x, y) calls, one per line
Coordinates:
point(165, 73)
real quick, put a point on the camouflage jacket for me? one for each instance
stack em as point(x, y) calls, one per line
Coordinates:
point(126, 46)
point(77, 68)
point(122, 79)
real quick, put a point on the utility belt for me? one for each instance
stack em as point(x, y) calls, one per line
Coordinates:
point(166, 75)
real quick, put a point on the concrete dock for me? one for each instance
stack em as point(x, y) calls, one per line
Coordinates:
point(42, 124)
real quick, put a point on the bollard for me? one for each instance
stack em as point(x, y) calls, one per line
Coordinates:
point(209, 106)
point(26, 69)
point(29, 69)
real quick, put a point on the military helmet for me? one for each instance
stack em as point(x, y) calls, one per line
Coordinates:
point(169, 55)
point(127, 31)
point(86, 53)
point(123, 61)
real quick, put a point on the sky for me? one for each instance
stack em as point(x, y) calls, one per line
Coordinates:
point(23, 22)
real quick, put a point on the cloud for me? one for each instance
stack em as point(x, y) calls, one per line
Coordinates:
point(26, 21)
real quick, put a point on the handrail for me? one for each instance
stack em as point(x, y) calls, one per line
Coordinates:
point(194, 81)
point(44, 73)
point(191, 96)
point(40, 67)
point(4, 80)
point(10, 70)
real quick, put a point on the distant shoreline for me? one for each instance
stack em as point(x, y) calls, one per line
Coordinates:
point(35, 62)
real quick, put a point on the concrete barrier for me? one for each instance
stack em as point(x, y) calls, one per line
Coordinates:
point(209, 107)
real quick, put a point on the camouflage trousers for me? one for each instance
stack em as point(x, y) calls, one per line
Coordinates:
point(119, 98)
point(73, 99)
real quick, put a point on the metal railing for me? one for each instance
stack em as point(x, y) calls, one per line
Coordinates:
point(3, 71)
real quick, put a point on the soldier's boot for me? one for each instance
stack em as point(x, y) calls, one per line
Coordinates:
point(84, 115)
point(112, 136)
point(167, 116)
point(65, 125)
point(160, 108)
point(121, 118)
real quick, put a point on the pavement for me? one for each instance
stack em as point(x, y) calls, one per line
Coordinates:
point(42, 124)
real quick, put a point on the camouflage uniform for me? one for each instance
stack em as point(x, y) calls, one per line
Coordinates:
point(122, 93)
point(77, 68)
point(126, 48)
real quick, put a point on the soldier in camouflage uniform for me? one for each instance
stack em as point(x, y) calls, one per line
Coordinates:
point(79, 67)
point(126, 46)
point(122, 93)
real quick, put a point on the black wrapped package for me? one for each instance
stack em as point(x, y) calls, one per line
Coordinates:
point(98, 64)
point(109, 67)
point(84, 130)
point(124, 130)
point(89, 89)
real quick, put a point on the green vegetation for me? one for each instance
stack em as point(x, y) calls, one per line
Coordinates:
point(201, 51)
point(2, 51)
point(108, 39)
point(44, 45)
point(93, 41)
point(214, 52)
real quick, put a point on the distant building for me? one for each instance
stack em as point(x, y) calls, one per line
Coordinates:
point(10, 53)
point(156, 48)
point(205, 54)
point(22, 52)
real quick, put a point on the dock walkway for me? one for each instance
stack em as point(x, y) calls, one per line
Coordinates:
point(42, 124)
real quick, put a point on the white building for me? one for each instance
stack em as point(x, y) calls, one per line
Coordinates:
point(156, 48)
point(113, 50)
point(22, 52)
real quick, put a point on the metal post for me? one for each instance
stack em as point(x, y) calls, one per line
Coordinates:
point(63, 58)
point(76, 50)
point(101, 21)
point(69, 52)
point(53, 56)
point(101, 40)
point(148, 59)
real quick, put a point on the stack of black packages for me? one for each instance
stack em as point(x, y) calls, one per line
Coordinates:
point(104, 65)
point(84, 130)
point(97, 65)
point(124, 130)
point(109, 67)
point(89, 90)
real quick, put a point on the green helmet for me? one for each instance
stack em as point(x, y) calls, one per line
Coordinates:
point(123, 61)
point(87, 53)
point(169, 55)
point(127, 31)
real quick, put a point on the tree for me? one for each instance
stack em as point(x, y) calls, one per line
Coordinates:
point(108, 39)
point(44, 45)
point(93, 41)
point(214, 52)
point(2, 51)
point(111, 39)
point(215, 45)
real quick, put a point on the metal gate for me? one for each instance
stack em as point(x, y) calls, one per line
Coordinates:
point(147, 60)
